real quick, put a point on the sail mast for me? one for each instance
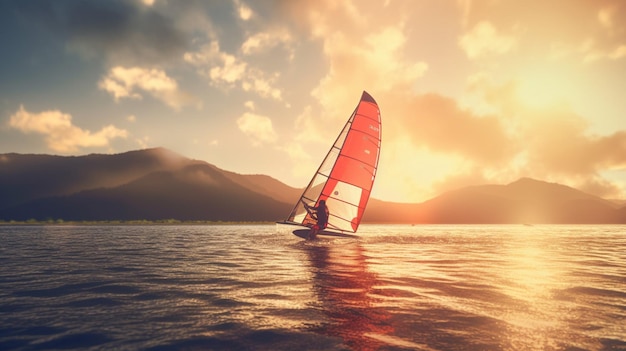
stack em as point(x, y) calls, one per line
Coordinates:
point(317, 172)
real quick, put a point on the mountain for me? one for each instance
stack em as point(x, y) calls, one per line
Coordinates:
point(28, 177)
point(157, 184)
point(524, 201)
point(148, 184)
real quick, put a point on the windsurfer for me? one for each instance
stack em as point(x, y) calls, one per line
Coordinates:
point(320, 213)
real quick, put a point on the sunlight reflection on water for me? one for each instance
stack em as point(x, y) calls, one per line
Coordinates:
point(247, 287)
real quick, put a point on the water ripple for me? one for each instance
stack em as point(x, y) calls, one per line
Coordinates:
point(247, 287)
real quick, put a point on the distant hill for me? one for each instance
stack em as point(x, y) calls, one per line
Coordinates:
point(158, 184)
point(524, 201)
point(28, 177)
point(148, 184)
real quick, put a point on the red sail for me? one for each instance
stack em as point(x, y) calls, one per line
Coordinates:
point(347, 174)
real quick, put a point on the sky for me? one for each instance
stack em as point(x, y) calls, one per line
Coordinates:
point(470, 92)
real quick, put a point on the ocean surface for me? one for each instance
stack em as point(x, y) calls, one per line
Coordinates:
point(248, 287)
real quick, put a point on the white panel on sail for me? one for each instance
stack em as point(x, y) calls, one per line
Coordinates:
point(343, 205)
point(329, 162)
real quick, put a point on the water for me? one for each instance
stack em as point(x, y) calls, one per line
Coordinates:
point(249, 288)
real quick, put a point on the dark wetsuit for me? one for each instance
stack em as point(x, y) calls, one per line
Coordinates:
point(321, 212)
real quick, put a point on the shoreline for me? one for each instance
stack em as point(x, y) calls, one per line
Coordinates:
point(128, 222)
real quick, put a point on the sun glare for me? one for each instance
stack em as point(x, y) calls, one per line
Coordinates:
point(407, 172)
point(542, 86)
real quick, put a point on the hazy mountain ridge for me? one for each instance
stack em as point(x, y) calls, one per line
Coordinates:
point(173, 187)
point(523, 201)
point(159, 184)
point(25, 177)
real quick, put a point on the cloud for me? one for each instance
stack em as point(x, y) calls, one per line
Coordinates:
point(228, 71)
point(438, 140)
point(231, 71)
point(484, 39)
point(123, 32)
point(591, 31)
point(611, 17)
point(375, 61)
point(558, 144)
point(250, 105)
point(439, 124)
point(551, 142)
point(616, 53)
point(124, 82)
point(413, 59)
point(243, 10)
point(555, 137)
point(258, 128)
point(364, 48)
point(143, 143)
point(605, 16)
point(60, 134)
point(265, 40)
point(259, 83)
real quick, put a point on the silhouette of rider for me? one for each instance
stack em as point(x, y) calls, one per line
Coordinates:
point(320, 213)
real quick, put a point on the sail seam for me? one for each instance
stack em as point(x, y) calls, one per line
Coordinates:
point(345, 202)
point(355, 159)
point(364, 133)
point(351, 183)
point(368, 117)
point(341, 219)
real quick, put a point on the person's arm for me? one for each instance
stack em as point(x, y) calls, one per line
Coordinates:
point(308, 208)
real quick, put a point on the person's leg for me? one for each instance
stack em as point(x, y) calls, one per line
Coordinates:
point(313, 232)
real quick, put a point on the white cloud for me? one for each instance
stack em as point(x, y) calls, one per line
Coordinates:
point(375, 62)
point(258, 128)
point(61, 135)
point(250, 105)
point(243, 10)
point(231, 71)
point(266, 40)
point(386, 47)
point(124, 82)
point(261, 85)
point(206, 55)
point(228, 71)
point(143, 142)
point(605, 16)
point(220, 67)
point(589, 50)
point(594, 55)
point(484, 39)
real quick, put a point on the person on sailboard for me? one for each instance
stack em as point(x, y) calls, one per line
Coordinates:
point(320, 213)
